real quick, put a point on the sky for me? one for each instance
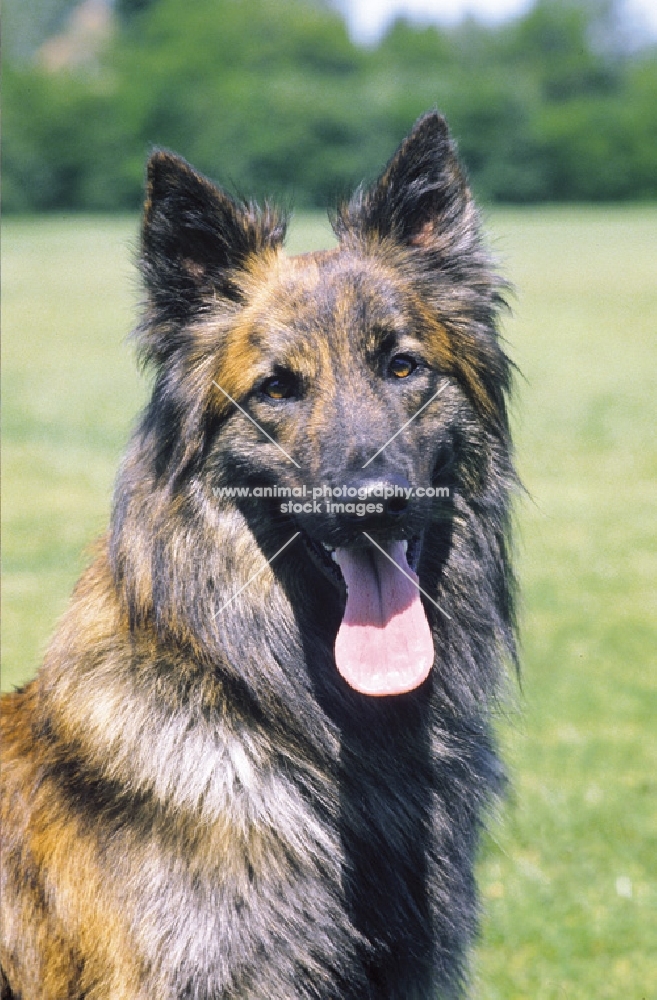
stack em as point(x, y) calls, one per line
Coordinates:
point(367, 19)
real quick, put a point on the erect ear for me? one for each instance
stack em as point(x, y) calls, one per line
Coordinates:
point(422, 202)
point(194, 235)
point(419, 197)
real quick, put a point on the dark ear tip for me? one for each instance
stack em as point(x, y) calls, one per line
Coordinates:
point(431, 125)
point(167, 175)
point(166, 166)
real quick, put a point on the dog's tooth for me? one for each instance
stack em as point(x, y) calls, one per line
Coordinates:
point(405, 546)
point(333, 556)
point(327, 547)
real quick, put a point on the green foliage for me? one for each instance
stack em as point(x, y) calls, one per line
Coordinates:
point(62, 145)
point(128, 8)
point(556, 41)
point(274, 99)
point(256, 93)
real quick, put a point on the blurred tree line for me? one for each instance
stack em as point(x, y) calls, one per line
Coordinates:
point(273, 98)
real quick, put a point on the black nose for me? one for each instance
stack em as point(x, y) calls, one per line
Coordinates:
point(390, 492)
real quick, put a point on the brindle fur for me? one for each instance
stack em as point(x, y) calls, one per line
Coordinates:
point(195, 804)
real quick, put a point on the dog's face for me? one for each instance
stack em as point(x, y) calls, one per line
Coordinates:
point(340, 364)
point(368, 375)
point(342, 376)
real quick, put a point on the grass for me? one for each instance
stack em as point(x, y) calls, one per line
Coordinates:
point(571, 880)
point(569, 873)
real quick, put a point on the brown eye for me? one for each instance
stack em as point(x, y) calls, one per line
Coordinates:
point(401, 366)
point(282, 386)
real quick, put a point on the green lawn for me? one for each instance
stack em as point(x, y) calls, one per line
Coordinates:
point(569, 872)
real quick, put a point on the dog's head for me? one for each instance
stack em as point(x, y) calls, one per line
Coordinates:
point(369, 377)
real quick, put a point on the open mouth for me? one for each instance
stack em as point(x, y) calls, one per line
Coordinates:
point(384, 644)
point(325, 552)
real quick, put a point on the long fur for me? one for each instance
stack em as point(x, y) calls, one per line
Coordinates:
point(195, 805)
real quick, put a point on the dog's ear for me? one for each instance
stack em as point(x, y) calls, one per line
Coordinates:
point(419, 198)
point(194, 236)
point(422, 202)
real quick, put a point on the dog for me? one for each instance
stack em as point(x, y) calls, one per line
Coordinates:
point(257, 758)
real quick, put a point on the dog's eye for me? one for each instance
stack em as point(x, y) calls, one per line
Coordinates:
point(282, 386)
point(402, 365)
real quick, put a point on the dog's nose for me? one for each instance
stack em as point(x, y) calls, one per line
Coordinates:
point(391, 492)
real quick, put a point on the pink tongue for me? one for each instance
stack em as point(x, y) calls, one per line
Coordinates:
point(384, 644)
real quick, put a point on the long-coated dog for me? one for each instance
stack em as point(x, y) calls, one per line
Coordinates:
point(256, 760)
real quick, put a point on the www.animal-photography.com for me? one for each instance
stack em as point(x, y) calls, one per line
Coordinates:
point(329, 550)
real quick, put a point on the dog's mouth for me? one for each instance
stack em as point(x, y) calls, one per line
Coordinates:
point(327, 554)
point(384, 644)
